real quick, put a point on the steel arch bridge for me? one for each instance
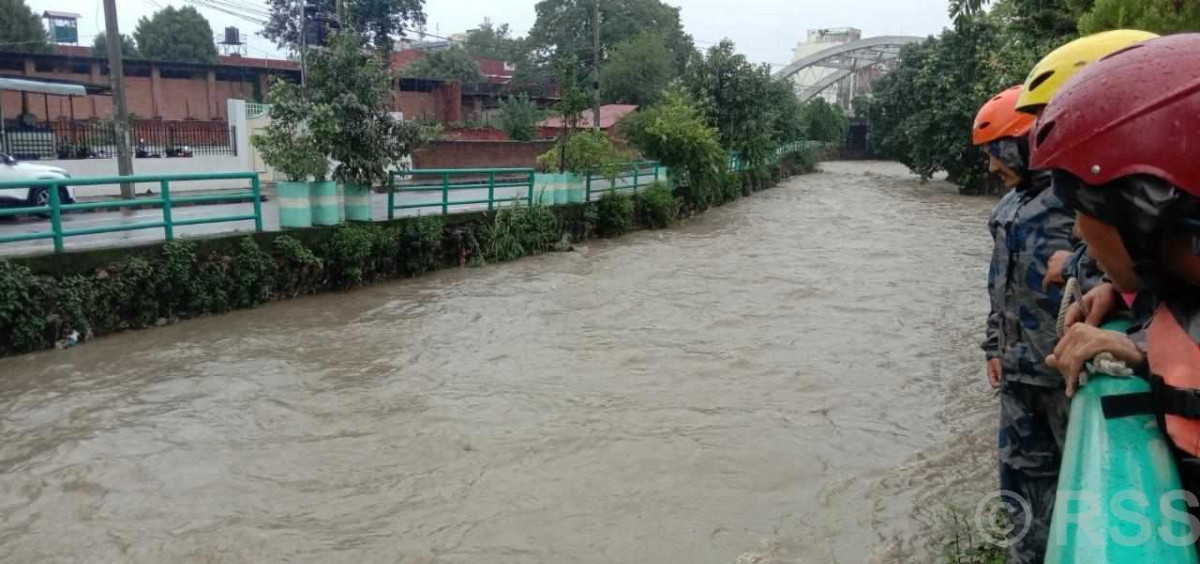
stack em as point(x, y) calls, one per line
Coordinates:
point(830, 66)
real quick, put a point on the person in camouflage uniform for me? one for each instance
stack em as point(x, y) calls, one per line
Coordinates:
point(1029, 226)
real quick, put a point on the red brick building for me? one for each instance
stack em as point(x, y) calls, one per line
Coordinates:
point(169, 90)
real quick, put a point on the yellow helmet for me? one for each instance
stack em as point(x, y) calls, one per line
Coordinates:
point(1054, 69)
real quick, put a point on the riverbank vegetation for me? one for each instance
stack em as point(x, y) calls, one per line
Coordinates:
point(150, 286)
point(921, 113)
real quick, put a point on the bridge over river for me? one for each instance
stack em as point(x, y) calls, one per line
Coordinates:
point(791, 378)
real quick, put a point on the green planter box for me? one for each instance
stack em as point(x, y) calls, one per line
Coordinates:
point(325, 203)
point(574, 185)
point(295, 204)
point(358, 203)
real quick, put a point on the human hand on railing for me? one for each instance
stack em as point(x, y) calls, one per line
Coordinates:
point(1084, 342)
point(1054, 269)
point(1094, 308)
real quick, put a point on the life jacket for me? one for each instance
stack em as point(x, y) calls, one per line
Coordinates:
point(1175, 369)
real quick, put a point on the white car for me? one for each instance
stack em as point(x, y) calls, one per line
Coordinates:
point(11, 170)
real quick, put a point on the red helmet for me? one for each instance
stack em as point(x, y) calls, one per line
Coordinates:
point(1136, 111)
point(999, 118)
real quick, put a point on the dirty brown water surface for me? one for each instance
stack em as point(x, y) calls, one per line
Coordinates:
point(791, 378)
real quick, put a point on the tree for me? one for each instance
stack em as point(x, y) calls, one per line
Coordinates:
point(364, 140)
point(1159, 16)
point(825, 122)
point(294, 142)
point(1039, 17)
point(489, 41)
point(734, 97)
point(100, 47)
point(674, 133)
point(380, 20)
point(452, 63)
point(636, 72)
point(519, 117)
point(176, 34)
point(20, 29)
point(564, 28)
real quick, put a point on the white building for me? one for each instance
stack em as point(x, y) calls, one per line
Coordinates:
point(819, 40)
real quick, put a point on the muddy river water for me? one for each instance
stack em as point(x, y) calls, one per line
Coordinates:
point(791, 378)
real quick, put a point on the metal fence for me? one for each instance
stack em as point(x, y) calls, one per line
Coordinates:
point(631, 176)
point(737, 163)
point(476, 186)
point(55, 208)
point(98, 139)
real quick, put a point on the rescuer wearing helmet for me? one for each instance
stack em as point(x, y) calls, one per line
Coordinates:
point(1028, 226)
point(1121, 140)
point(1039, 89)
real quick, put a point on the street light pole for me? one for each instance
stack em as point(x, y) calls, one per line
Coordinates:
point(596, 67)
point(116, 77)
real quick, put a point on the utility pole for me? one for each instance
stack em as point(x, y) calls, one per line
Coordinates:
point(116, 77)
point(303, 27)
point(596, 67)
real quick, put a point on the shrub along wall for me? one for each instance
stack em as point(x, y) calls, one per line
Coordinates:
point(44, 300)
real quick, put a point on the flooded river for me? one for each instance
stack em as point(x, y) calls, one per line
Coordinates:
point(791, 378)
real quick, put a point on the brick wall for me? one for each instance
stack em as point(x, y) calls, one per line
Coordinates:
point(480, 154)
point(177, 92)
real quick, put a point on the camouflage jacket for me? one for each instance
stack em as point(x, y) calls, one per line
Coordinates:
point(1028, 227)
point(1081, 265)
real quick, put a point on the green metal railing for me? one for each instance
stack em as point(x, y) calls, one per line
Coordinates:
point(630, 176)
point(55, 208)
point(450, 180)
point(738, 164)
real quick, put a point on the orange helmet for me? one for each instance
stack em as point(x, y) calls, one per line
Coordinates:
point(999, 118)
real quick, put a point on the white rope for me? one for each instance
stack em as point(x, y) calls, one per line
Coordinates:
point(1104, 363)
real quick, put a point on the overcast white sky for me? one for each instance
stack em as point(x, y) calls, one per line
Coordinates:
point(765, 30)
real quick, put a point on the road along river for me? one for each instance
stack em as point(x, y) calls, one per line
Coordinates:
point(791, 378)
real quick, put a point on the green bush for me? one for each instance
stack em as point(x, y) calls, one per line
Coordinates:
point(421, 241)
point(614, 214)
point(517, 231)
point(20, 316)
point(351, 253)
point(586, 150)
point(298, 269)
point(731, 187)
point(674, 133)
point(519, 116)
point(254, 273)
point(656, 206)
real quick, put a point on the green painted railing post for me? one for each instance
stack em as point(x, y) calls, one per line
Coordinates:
point(56, 218)
point(256, 194)
point(392, 196)
point(587, 196)
point(636, 169)
point(445, 193)
point(656, 172)
point(168, 228)
point(491, 189)
point(529, 196)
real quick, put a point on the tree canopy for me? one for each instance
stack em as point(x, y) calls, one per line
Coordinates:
point(176, 34)
point(564, 28)
point(490, 41)
point(637, 71)
point(1159, 16)
point(452, 63)
point(921, 113)
point(21, 29)
point(100, 47)
point(380, 20)
point(735, 97)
